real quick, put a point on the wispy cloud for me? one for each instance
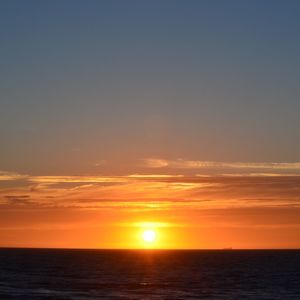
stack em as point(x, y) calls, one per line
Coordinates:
point(197, 164)
point(153, 191)
point(7, 176)
point(17, 199)
point(76, 179)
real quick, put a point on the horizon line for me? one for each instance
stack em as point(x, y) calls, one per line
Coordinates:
point(155, 249)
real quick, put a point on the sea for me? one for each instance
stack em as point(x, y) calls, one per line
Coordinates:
point(149, 274)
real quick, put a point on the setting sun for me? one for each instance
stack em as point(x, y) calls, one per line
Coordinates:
point(149, 235)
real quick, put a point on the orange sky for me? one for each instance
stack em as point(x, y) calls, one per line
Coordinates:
point(189, 204)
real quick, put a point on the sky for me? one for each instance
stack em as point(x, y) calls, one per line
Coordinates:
point(181, 116)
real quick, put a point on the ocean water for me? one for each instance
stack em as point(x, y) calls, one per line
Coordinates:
point(133, 274)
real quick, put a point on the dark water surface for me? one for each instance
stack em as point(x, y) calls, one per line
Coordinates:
point(129, 274)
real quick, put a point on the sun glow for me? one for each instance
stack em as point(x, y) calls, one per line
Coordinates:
point(149, 236)
point(152, 234)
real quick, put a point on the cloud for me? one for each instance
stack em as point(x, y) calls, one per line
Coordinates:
point(155, 163)
point(8, 176)
point(47, 180)
point(17, 199)
point(154, 192)
point(197, 164)
point(153, 176)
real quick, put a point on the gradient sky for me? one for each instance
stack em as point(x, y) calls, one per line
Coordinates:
point(180, 113)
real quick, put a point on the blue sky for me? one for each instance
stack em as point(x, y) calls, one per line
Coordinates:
point(87, 82)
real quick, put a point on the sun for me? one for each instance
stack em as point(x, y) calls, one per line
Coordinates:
point(149, 236)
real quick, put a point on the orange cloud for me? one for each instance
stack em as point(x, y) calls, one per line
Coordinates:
point(153, 191)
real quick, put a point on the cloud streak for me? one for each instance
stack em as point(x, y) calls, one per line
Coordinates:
point(181, 164)
point(152, 191)
point(196, 164)
point(8, 176)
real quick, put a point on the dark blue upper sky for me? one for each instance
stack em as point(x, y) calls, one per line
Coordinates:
point(83, 82)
